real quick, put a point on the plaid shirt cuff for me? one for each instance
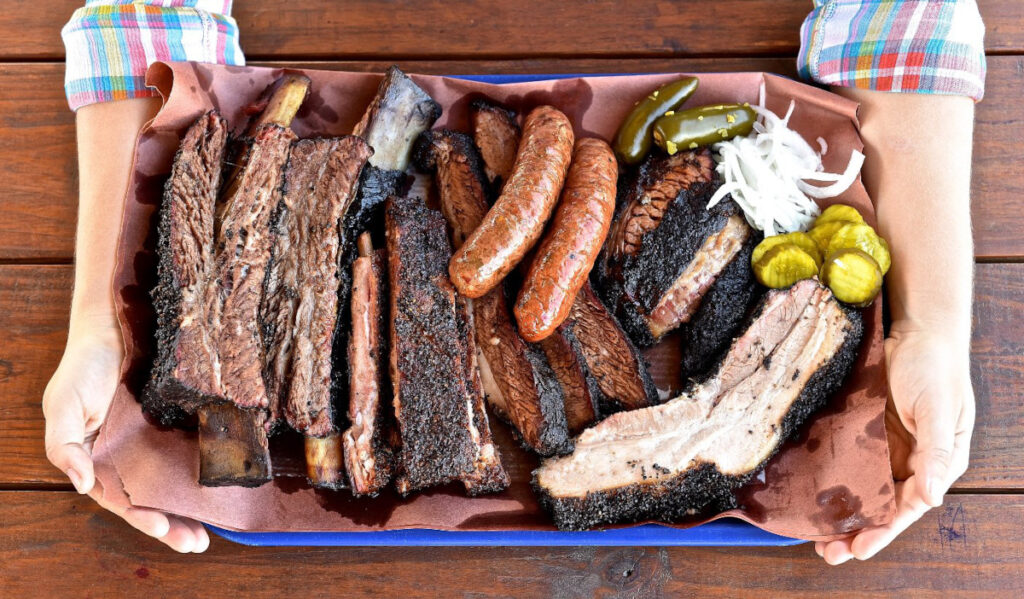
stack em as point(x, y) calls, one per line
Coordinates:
point(922, 46)
point(110, 43)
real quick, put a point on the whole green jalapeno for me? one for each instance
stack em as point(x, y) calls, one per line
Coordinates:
point(703, 126)
point(633, 140)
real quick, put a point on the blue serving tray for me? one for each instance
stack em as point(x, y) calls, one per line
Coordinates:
point(724, 532)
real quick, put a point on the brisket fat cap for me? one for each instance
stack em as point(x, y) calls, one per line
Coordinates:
point(665, 461)
point(667, 249)
point(441, 439)
point(302, 286)
point(244, 242)
point(186, 372)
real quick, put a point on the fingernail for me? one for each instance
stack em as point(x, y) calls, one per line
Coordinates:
point(76, 479)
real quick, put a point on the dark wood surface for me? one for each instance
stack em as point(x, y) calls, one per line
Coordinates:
point(63, 545)
point(57, 544)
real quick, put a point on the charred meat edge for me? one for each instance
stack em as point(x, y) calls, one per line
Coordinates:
point(665, 494)
point(518, 380)
point(440, 440)
point(185, 373)
point(610, 356)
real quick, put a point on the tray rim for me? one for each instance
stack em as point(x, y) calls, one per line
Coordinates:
point(724, 532)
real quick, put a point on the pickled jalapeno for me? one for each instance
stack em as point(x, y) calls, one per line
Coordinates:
point(702, 126)
point(633, 141)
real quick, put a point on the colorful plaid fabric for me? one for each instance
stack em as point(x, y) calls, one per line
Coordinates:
point(924, 46)
point(109, 44)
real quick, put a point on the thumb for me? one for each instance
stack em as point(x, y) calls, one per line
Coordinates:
point(65, 440)
point(936, 436)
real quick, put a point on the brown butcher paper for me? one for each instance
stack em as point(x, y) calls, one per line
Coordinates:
point(833, 479)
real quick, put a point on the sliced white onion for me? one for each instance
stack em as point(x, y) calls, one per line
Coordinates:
point(768, 173)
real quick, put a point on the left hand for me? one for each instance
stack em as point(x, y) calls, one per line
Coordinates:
point(929, 420)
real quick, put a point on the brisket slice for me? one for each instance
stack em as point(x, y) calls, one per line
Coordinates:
point(244, 243)
point(667, 250)
point(520, 384)
point(611, 358)
point(675, 459)
point(580, 389)
point(300, 308)
point(497, 135)
point(368, 449)
point(487, 475)
point(441, 441)
point(185, 375)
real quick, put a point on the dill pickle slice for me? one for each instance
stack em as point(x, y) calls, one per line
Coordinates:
point(821, 234)
point(864, 238)
point(853, 276)
point(839, 212)
point(799, 239)
point(783, 265)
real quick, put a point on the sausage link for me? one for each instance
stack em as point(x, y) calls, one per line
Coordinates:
point(515, 222)
point(572, 243)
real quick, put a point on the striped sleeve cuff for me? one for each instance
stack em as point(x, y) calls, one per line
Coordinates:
point(922, 46)
point(109, 45)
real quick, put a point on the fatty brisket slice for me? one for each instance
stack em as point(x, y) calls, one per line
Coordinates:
point(300, 304)
point(185, 374)
point(444, 435)
point(519, 382)
point(680, 457)
point(668, 252)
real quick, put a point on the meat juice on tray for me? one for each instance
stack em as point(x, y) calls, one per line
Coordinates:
point(385, 359)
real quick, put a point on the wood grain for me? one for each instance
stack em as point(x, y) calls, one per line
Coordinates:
point(494, 29)
point(970, 546)
point(35, 300)
point(37, 146)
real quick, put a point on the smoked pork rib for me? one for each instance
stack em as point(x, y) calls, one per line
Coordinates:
point(368, 448)
point(497, 135)
point(441, 439)
point(667, 252)
point(185, 374)
point(518, 381)
point(581, 390)
point(674, 459)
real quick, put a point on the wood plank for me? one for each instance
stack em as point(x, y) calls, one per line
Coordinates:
point(489, 29)
point(970, 547)
point(34, 302)
point(37, 147)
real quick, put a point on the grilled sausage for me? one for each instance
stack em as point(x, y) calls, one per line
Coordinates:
point(515, 222)
point(570, 248)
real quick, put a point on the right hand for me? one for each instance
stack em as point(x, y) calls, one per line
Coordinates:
point(75, 405)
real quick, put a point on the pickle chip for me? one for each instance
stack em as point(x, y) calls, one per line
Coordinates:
point(822, 233)
point(783, 265)
point(853, 276)
point(864, 238)
point(799, 239)
point(839, 212)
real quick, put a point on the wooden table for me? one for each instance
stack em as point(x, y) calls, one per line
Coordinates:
point(56, 543)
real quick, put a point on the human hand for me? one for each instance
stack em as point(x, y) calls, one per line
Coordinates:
point(75, 405)
point(929, 420)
